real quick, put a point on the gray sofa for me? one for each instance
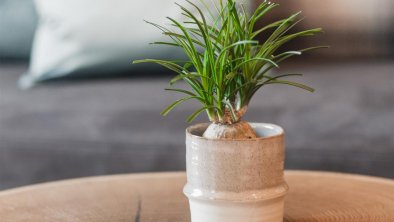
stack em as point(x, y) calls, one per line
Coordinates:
point(109, 126)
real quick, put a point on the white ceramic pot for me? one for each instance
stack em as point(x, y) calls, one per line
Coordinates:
point(236, 180)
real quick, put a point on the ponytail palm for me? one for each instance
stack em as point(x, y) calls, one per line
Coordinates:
point(226, 63)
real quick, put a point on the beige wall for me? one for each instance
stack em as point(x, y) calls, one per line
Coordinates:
point(352, 27)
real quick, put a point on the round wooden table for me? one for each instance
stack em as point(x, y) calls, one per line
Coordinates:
point(313, 196)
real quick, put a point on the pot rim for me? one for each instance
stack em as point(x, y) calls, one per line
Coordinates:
point(197, 126)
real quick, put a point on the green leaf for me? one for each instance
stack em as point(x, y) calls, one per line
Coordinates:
point(243, 42)
point(185, 38)
point(190, 46)
point(181, 91)
point(282, 28)
point(299, 85)
point(256, 59)
point(176, 103)
point(193, 116)
point(267, 27)
point(166, 43)
point(168, 64)
point(277, 77)
point(262, 10)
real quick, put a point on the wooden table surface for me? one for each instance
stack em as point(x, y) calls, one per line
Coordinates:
point(313, 196)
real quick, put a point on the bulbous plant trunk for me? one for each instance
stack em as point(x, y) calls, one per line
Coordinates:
point(239, 130)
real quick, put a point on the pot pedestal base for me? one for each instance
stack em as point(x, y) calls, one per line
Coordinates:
point(221, 211)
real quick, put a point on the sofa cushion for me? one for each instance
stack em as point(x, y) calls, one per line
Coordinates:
point(108, 126)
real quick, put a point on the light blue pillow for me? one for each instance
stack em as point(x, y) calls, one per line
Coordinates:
point(97, 37)
point(17, 25)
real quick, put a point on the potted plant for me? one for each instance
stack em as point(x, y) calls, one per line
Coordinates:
point(234, 168)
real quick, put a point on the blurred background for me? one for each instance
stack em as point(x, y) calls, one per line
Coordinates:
point(355, 29)
point(72, 105)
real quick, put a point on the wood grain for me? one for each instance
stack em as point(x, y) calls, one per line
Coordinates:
point(313, 196)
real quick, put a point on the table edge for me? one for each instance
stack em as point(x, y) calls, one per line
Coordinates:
point(177, 174)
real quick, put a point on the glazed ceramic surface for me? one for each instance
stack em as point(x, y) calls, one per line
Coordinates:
point(236, 180)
